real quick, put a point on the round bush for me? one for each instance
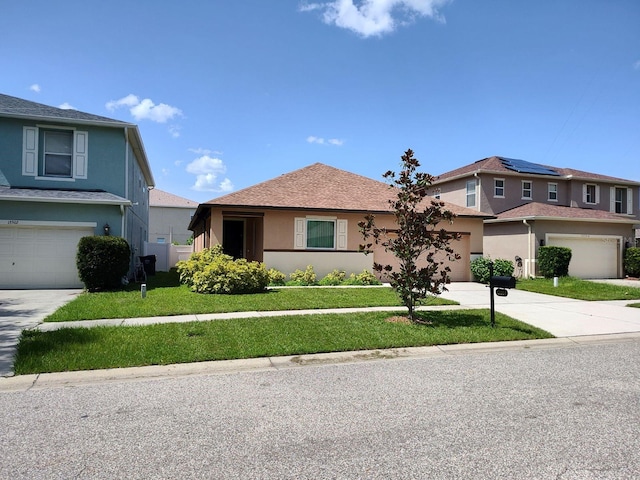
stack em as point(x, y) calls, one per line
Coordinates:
point(632, 261)
point(554, 261)
point(102, 262)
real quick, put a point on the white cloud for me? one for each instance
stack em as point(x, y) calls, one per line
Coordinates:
point(321, 141)
point(204, 151)
point(375, 17)
point(165, 172)
point(208, 170)
point(35, 88)
point(67, 106)
point(128, 101)
point(146, 109)
point(174, 130)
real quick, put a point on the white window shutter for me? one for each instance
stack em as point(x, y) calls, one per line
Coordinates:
point(584, 193)
point(80, 154)
point(612, 197)
point(629, 201)
point(341, 237)
point(300, 234)
point(30, 151)
point(597, 194)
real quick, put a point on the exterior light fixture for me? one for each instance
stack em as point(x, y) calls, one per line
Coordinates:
point(107, 229)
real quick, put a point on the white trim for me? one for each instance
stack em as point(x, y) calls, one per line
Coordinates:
point(64, 200)
point(54, 127)
point(561, 219)
point(56, 179)
point(44, 223)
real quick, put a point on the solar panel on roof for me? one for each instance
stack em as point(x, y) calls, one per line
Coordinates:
point(522, 166)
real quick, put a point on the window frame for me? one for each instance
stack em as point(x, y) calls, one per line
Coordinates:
point(496, 188)
point(34, 153)
point(333, 236)
point(623, 202)
point(51, 154)
point(340, 233)
point(595, 199)
point(470, 194)
point(530, 189)
point(551, 191)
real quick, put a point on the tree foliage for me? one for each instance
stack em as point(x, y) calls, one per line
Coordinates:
point(419, 246)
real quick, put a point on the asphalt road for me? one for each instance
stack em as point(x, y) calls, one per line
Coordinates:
point(562, 413)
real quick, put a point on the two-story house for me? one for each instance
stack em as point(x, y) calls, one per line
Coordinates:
point(536, 205)
point(169, 217)
point(65, 174)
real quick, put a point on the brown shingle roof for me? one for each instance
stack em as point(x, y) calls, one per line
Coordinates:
point(321, 187)
point(160, 198)
point(495, 165)
point(543, 210)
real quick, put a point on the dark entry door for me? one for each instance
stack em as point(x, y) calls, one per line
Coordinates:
point(233, 238)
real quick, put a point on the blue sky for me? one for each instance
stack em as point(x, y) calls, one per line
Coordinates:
point(229, 93)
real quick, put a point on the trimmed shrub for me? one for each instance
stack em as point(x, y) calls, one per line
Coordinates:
point(335, 277)
point(480, 268)
point(102, 262)
point(363, 278)
point(554, 261)
point(632, 261)
point(308, 277)
point(276, 277)
point(211, 271)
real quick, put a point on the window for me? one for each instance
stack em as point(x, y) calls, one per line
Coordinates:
point(526, 190)
point(498, 187)
point(591, 194)
point(63, 155)
point(320, 233)
point(553, 192)
point(436, 193)
point(58, 150)
point(471, 193)
point(621, 200)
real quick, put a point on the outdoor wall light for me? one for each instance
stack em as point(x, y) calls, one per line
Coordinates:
point(107, 229)
point(542, 242)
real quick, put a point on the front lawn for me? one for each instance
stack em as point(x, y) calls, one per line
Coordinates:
point(112, 347)
point(166, 297)
point(572, 287)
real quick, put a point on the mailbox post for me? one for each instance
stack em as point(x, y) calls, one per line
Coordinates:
point(500, 284)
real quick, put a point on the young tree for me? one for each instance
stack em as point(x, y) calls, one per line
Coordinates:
point(416, 241)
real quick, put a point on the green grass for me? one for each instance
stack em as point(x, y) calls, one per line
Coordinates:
point(579, 289)
point(165, 297)
point(111, 347)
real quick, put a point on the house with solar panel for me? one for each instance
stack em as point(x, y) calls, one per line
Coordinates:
point(535, 205)
point(65, 174)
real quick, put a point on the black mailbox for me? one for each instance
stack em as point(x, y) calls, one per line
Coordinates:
point(503, 282)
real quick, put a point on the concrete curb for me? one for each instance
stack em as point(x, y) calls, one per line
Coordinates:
point(23, 383)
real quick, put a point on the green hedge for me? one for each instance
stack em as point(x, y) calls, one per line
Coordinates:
point(102, 262)
point(632, 261)
point(480, 268)
point(554, 261)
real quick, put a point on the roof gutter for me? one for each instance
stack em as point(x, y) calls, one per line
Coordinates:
point(80, 201)
point(563, 219)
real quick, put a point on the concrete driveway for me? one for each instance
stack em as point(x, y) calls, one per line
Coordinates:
point(562, 317)
point(20, 309)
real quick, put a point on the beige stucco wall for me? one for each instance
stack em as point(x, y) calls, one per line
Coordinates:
point(278, 241)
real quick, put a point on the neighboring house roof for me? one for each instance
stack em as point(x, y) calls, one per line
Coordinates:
point(320, 187)
point(497, 165)
point(160, 198)
point(13, 107)
point(61, 196)
point(543, 211)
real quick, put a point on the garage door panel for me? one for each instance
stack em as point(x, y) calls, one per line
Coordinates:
point(40, 257)
point(591, 257)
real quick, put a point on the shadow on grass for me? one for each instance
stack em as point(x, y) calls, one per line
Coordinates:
point(33, 342)
point(454, 319)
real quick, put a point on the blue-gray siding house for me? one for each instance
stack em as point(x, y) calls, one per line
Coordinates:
point(65, 174)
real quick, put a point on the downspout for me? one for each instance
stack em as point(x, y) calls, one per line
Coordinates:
point(126, 180)
point(528, 269)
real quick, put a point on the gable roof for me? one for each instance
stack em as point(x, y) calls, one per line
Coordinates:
point(496, 165)
point(13, 107)
point(20, 108)
point(321, 187)
point(160, 198)
point(544, 211)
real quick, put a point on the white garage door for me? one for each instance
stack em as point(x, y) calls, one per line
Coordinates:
point(39, 257)
point(591, 257)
